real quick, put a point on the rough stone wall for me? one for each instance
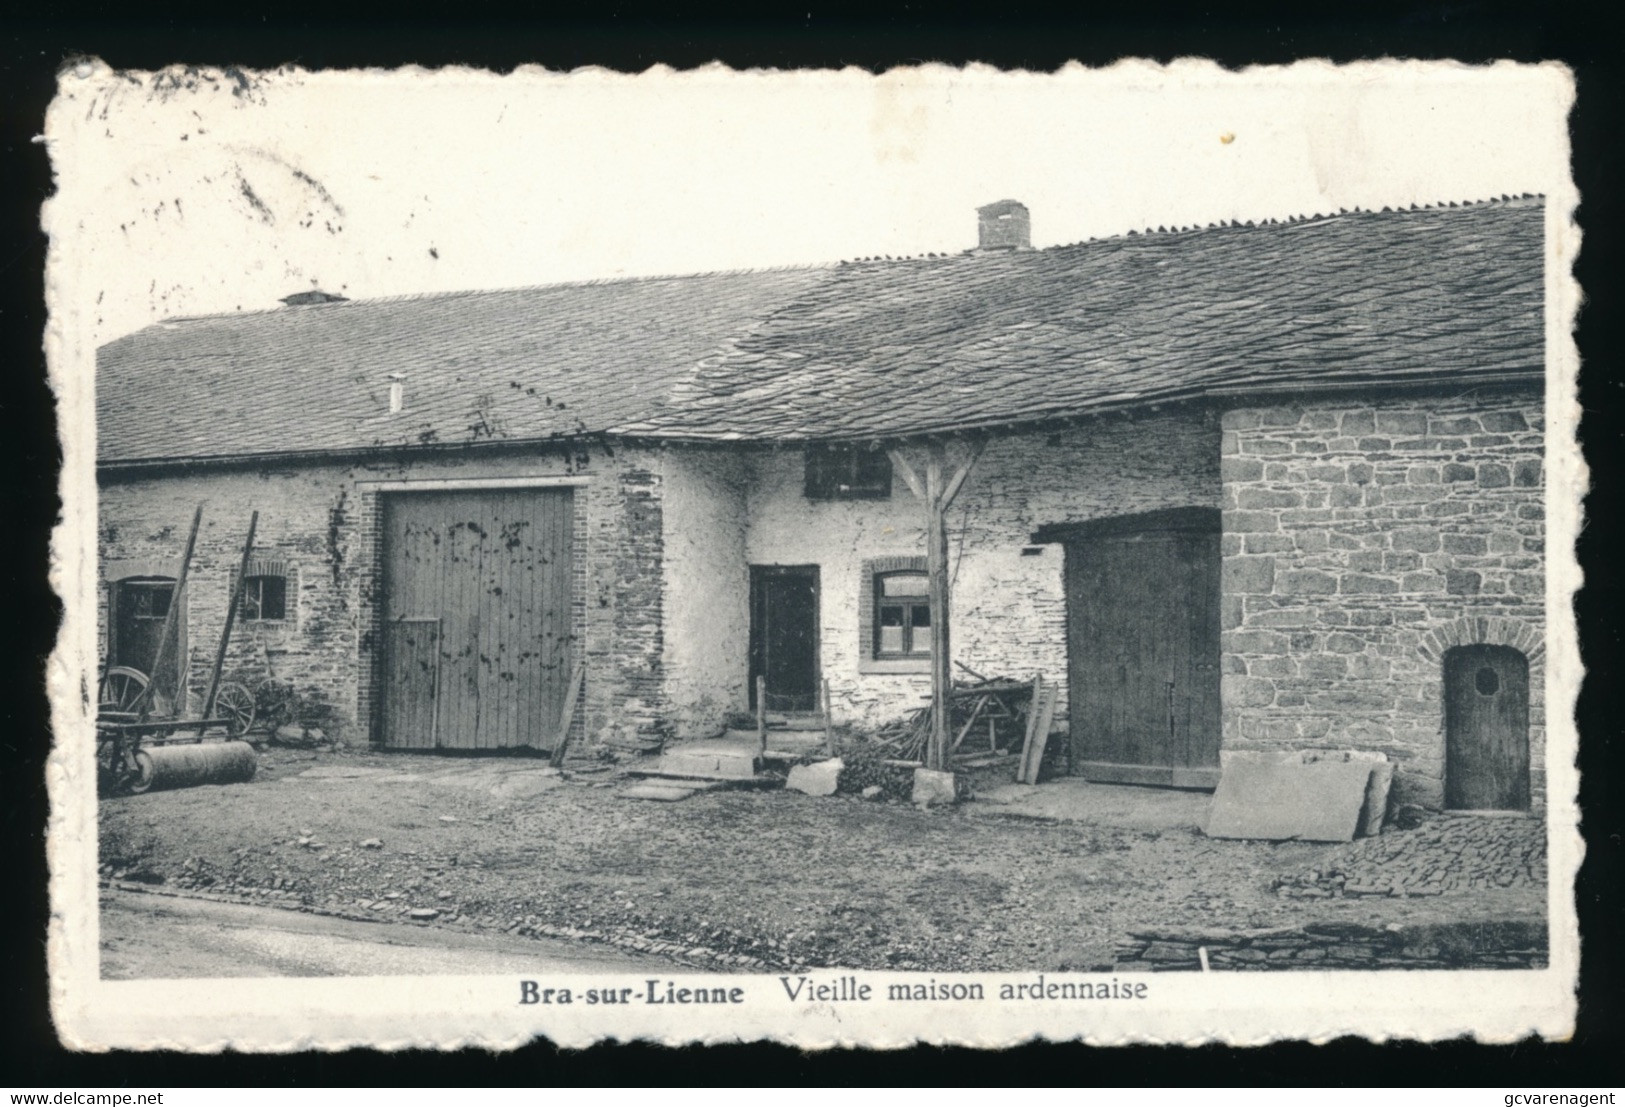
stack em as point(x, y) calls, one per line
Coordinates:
point(1361, 541)
point(1008, 609)
point(707, 625)
point(323, 521)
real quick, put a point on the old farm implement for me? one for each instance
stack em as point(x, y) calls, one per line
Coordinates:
point(142, 743)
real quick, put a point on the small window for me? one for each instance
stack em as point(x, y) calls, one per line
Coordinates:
point(902, 615)
point(265, 598)
point(847, 473)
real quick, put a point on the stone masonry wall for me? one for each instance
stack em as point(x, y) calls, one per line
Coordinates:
point(1332, 946)
point(1008, 607)
point(323, 522)
point(1360, 542)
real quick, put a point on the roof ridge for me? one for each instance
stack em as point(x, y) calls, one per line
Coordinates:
point(1504, 200)
point(1298, 219)
point(460, 293)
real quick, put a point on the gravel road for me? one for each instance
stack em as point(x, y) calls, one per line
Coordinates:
point(731, 879)
point(147, 936)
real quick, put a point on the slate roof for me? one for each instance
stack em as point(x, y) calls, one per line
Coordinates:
point(519, 365)
point(897, 347)
point(1447, 295)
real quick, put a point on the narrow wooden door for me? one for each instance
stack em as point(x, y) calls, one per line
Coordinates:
point(139, 607)
point(1486, 727)
point(784, 635)
point(1143, 653)
point(476, 644)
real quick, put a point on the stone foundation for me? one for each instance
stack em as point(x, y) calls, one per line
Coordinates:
point(1332, 946)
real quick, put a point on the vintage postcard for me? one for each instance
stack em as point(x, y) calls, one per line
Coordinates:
point(948, 556)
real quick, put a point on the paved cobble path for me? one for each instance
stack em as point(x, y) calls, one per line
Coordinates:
point(1448, 853)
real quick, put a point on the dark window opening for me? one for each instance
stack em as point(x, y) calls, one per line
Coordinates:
point(265, 598)
point(148, 599)
point(1487, 682)
point(847, 473)
point(902, 615)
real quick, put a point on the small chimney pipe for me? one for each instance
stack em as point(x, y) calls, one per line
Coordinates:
point(397, 392)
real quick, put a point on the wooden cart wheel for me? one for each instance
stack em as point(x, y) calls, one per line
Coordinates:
point(120, 688)
point(235, 704)
point(141, 779)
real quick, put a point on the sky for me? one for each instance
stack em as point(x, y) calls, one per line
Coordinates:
point(195, 192)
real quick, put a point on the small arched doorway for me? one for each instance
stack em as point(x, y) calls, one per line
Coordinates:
point(1486, 727)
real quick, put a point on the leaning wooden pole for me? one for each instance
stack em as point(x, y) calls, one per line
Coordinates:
point(171, 617)
point(936, 567)
point(231, 616)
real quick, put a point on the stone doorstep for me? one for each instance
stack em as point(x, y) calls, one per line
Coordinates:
point(708, 761)
point(776, 739)
point(663, 792)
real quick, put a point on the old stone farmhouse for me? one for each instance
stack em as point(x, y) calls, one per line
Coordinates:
point(1243, 486)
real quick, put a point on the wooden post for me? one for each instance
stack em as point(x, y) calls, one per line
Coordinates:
point(761, 715)
point(144, 699)
point(936, 567)
point(1032, 725)
point(231, 616)
point(938, 491)
point(562, 742)
point(829, 733)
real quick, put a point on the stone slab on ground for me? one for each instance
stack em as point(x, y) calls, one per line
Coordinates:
point(660, 792)
point(1375, 811)
point(1075, 800)
point(817, 779)
point(1319, 801)
point(932, 788)
point(707, 761)
point(669, 791)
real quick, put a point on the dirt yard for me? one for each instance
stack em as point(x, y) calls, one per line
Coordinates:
point(748, 880)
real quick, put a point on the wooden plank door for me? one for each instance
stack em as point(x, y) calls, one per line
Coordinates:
point(491, 572)
point(784, 635)
point(1143, 653)
point(139, 607)
point(1486, 726)
point(412, 657)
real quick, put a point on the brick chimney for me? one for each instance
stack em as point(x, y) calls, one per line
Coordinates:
point(1003, 225)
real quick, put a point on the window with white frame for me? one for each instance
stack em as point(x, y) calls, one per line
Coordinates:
point(894, 616)
point(902, 615)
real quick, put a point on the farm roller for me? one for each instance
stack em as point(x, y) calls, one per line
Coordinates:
point(139, 753)
point(191, 764)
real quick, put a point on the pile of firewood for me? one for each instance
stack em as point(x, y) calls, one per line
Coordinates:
point(985, 714)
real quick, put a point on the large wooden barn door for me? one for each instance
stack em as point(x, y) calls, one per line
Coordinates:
point(477, 597)
point(1486, 729)
point(1143, 650)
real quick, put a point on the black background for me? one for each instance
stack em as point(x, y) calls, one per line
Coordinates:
point(616, 36)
